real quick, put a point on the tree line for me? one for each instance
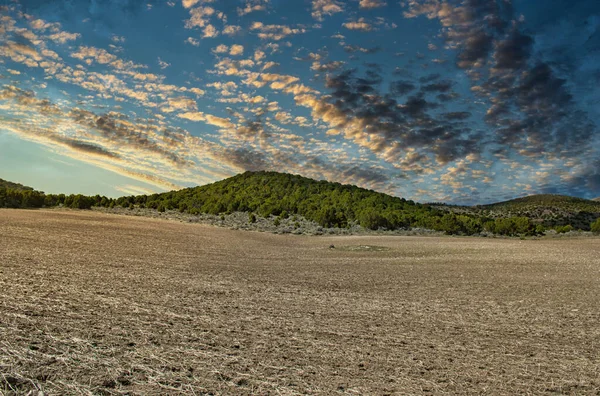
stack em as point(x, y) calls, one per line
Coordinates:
point(282, 195)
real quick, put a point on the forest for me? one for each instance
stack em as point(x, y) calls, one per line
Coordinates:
point(280, 195)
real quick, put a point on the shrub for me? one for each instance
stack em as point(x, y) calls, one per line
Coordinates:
point(371, 219)
point(564, 229)
point(449, 224)
point(595, 226)
point(540, 229)
point(81, 202)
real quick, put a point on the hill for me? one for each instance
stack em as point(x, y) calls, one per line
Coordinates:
point(550, 210)
point(276, 197)
point(596, 199)
point(14, 186)
point(282, 195)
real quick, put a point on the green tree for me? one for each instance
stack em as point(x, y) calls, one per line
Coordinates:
point(595, 226)
point(81, 202)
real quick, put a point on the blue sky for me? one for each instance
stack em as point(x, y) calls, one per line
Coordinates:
point(468, 101)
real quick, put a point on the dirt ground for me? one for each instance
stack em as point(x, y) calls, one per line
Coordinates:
point(105, 304)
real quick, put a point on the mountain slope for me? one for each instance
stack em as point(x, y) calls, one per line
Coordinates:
point(547, 209)
point(14, 186)
point(280, 194)
point(546, 200)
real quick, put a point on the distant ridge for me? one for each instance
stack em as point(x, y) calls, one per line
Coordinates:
point(548, 209)
point(552, 200)
point(275, 197)
point(14, 186)
point(596, 199)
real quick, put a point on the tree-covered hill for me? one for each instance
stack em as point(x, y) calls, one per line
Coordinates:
point(14, 186)
point(546, 200)
point(277, 196)
point(280, 194)
point(549, 210)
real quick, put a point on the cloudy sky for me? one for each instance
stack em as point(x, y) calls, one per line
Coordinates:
point(463, 101)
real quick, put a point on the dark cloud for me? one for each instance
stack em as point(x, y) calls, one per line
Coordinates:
point(348, 173)
point(355, 48)
point(442, 86)
point(246, 159)
point(429, 78)
point(532, 109)
point(514, 51)
point(457, 115)
point(444, 97)
point(253, 128)
point(583, 183)
point(401, 87)
point(111, 126)
point(29, 99)
point(408, 124)
point(78, 145)
point(365, 175)
point(477, 46)
point(416, 106)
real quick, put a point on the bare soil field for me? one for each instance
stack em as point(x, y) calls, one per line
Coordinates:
point(93, 303)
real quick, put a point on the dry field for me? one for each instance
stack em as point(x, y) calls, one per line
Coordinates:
point(92, 303)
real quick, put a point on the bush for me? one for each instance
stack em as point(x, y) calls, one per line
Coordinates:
point(449, 224)
point(81, 202)
point(252, 218)
point(595, 226)
point(563, 229)
point(371, 219)
point(540, 229)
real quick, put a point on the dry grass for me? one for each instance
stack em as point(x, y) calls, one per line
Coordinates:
point(104, 304)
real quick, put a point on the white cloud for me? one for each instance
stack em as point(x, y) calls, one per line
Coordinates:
point(274, 32)
point(360, 25)
point(251, 6)
point(325, 7)
point(236, 49)
point(259, 55)
point(193, 41)
point(199, 17)
point(163, 64)
point(220, 49)
point(210, 31)
point(207, 118)
point(63, 37)
point(231, 30)
point(189, 3)
point(372, 3)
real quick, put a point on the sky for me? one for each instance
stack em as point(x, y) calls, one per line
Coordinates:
point(457, 101)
